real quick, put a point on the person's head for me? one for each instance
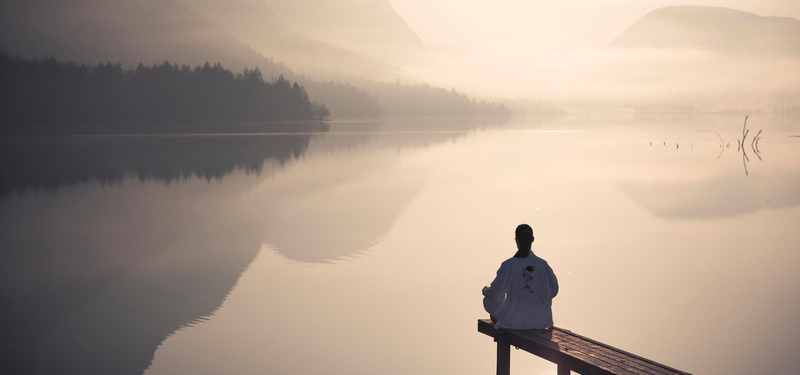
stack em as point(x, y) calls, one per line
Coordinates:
point(524, 237)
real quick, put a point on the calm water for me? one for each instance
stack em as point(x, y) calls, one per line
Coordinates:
point(362, 248)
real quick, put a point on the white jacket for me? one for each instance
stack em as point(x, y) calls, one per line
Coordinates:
point(521, 294)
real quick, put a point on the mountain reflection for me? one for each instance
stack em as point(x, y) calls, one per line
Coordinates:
point(716, 184)
point(93, 279)
point(97, 272)
point(339, 205)
point(343, 204)
point(722, 196)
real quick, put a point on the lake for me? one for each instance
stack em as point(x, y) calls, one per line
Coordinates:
point(361, 247)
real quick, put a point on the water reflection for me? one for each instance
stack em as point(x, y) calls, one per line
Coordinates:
point(338, 214)
point(110, 244)
point(629, 275)
point(98, 270)
point(343, 204)
point(54, 162)
point(718, 196)
point(699, 187)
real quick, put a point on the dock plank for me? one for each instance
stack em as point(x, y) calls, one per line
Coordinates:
point(611, 363)
point(575, 352)
point(633, 363)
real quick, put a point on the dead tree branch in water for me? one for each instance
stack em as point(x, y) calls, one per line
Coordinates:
point(744, 134)
point(754, 144)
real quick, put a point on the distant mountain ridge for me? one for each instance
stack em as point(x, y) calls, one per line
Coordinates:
point(143, 31)
point(253, 23)
point(129, 32)
point(371, 28)
point(716, 29)
point(360, 48)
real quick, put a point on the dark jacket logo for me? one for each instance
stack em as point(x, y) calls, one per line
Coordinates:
point(527, 273)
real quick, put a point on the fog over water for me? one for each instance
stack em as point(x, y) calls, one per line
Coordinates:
point(324, 186)
point(363, 248)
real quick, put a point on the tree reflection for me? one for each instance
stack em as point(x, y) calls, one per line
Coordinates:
point(52, 163)
point(94, 288)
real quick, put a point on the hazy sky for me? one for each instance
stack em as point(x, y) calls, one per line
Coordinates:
point(574, 22)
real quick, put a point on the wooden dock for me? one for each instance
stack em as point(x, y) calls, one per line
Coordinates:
point(570, 352)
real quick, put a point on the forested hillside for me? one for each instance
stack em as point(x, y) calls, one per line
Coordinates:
point(192, 32)
point(398, 99)
point(49, 92)
point(252, 22)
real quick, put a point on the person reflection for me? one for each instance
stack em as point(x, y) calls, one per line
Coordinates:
point(521, 295)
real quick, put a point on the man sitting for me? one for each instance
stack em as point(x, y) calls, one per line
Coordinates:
point(521, 295)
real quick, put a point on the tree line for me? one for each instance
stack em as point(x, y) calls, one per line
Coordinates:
point(50, 92)
point(366, 98)
point(425, 100)
point(345, 100)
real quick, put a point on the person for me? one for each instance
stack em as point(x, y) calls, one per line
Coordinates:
point(521, 295)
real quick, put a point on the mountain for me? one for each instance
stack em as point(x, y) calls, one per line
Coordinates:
point(128, 32)
point(150, 31)
point(253, 23)
point(73, 303)
point(338, 41)
point(715, 29)
point(368, 27)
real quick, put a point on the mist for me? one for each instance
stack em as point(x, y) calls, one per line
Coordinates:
point(725, 54)
point(325, 186)
point(572, 53)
